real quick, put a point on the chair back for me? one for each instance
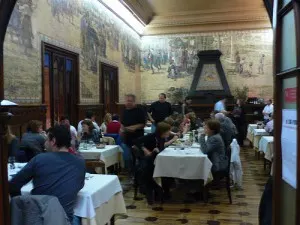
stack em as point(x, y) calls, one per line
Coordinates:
point(37, 210)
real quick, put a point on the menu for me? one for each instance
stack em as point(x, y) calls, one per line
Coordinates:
point(289, 146)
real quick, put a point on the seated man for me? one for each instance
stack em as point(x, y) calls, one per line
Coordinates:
point(270, 125)
point(57, 172)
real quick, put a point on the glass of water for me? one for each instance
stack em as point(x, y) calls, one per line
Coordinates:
point(11, 161)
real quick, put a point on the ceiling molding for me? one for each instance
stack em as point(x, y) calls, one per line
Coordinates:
point(141, 8)
point(204, 28)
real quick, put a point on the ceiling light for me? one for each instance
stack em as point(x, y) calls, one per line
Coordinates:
point(126, 15)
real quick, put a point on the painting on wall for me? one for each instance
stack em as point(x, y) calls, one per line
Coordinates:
point(96, 33)
point(172, 60)
point(209, 79)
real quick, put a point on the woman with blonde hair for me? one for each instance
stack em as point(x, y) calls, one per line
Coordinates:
point(106, 120)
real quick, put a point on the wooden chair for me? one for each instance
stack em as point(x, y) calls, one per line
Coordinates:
point(221, 175)
point(91, 165)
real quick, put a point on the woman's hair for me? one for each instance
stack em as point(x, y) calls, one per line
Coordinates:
point(9, 136)
point(213, 125)
point(115, 117)
point(34, 125)
point(192, 116)
point(169, 121)
point(89, 123)
point(162, 128)
point(107, 118)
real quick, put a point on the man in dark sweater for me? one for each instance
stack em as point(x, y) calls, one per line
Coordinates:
point(57, 172)
point(132, 123)
point(159, 111)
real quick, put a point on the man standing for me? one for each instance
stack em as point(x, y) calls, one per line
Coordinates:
point(269, 108)
point(57, 172)
point(220, 106)
point(159, 111)
point(132, 123)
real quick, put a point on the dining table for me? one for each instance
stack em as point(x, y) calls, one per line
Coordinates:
point(183, 163)
point(109, 154)
point(97, 202)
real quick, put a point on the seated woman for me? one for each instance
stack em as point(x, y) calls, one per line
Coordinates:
point(33, 141)
point(13, 143)
point(114, 126)
point(89, 133)
point(151, 145)
point(214, 146)
point(106, 120)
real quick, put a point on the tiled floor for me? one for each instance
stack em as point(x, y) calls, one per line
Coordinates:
point(182, 210)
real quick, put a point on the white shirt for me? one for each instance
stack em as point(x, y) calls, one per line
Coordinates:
point(219, 106)
point(103, 127)
point(269, 110)
point(80, 126)
point(73, 135)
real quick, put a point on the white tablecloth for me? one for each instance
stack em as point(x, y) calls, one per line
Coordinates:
point(258, 133)
point(147, 130)
point(190, 163)
point(98, 190)
point(266, 146)
point(110, 155)
point(250, 132)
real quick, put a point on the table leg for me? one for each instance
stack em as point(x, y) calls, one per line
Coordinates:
point(112, 220)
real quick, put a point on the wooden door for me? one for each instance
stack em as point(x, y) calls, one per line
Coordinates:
point(60, 84)
point(109, 90)
point(286, 193)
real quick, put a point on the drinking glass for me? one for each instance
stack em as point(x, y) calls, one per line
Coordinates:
point(11, 161)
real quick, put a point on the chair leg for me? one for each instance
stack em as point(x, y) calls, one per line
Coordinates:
point(135, 187)
point(265, 164)
point(228, 189)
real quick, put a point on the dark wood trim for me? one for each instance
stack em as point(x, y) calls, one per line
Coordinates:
point(269, 7)
point(297, 24)
point(285, 10)
point(6, 8)
point(276, 195)
point(75, 90)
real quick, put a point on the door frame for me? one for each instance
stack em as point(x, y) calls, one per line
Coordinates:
point(76, 91)
point(278, 15)
point(101, 82)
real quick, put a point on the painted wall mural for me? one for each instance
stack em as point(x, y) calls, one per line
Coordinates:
point(84, 25)
point(170, 61)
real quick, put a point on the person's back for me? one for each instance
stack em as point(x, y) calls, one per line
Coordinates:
point(33, 141)
point(113, 127)
point(59, 174)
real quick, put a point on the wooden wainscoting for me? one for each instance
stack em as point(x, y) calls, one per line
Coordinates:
point(23, 114)
point(98, 109)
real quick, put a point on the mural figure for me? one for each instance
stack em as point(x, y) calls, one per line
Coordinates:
point(20, 25)
point(172, 71)
point(61, 8)
point(261, 64)
point(237, 62)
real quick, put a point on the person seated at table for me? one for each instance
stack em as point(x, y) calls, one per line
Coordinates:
point(106, 120)
point(56, 172)
point(214, 146)
point(227, 128)
point(270, 125)
point(220, 106)
point(65, 121)
point(151, 145)
point(13, 143)
point(89, 133)
point(89, 115)
point(114, 126)
point(33, 141)
point(268, 109)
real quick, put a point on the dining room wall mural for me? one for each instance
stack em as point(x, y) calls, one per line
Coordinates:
point(170, 61)
point(85, 27)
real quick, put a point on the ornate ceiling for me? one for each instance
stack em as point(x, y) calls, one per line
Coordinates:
point(185, 16)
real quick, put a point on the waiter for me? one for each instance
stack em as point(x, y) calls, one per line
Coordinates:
point(159, 111)
point(132, 123)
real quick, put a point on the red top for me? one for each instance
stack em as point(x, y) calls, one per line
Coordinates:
point(72, 151)
point(113, 127)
